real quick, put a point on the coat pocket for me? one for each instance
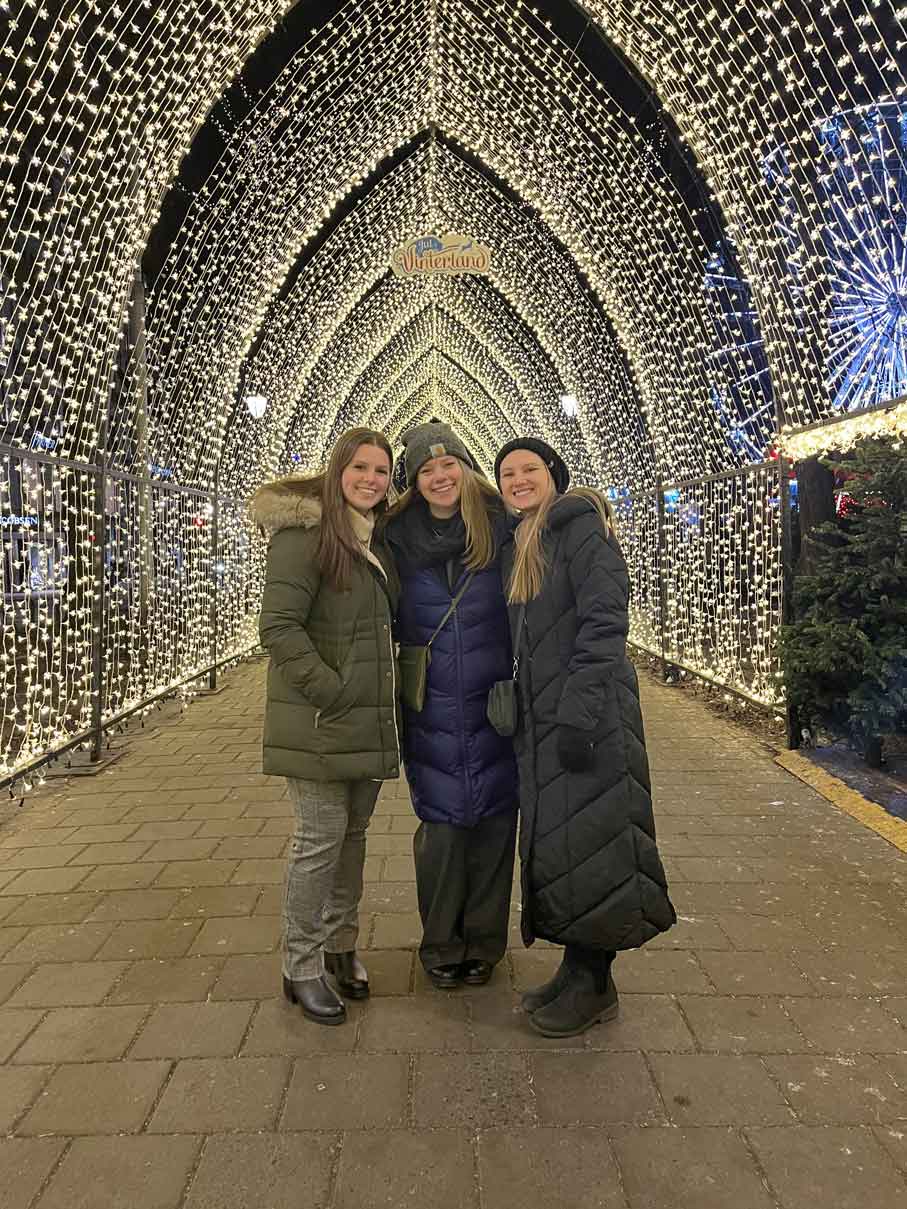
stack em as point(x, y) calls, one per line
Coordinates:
point(341, 703)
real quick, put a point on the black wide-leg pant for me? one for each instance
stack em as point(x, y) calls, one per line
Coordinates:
point(464, 877)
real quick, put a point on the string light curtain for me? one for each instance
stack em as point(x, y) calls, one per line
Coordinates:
point(114, 446)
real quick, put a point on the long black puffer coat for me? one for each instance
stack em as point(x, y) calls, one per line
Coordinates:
point(591, 871)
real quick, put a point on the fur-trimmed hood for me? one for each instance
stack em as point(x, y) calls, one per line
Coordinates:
point(278, 505)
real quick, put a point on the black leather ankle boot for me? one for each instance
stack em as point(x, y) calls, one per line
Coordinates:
point(476, 972)
point(349, 973)
point(317, 1000)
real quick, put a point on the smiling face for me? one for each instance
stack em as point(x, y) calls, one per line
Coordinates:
point(440, 481)
point(365, 479)
point(526, 482)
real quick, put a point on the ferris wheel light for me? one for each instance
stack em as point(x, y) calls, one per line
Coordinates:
point(256, 405)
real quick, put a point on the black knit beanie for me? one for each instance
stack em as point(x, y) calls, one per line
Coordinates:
point(549, 456)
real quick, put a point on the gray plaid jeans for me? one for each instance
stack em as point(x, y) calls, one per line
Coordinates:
point(324, 871)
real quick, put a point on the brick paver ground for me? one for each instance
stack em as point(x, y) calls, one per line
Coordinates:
point(147, 1062)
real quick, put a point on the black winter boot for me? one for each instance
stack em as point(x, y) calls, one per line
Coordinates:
point(539, 997)
point(589, 997)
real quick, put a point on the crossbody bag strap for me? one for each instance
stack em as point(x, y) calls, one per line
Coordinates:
point(516, 641)
point(450, 612)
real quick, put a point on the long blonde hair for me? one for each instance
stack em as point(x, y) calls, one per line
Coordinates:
point(476, 493)
point(338, 546)
point(529, 566)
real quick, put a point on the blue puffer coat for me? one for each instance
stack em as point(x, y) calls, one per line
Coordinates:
point(460, 770)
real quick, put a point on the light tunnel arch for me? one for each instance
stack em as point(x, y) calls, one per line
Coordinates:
point(183, 78)
point(527, 388)
point(378, 403)
point(111, 102)
point(557, 280)
point(682, 376)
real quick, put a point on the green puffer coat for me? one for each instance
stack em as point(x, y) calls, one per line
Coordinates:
point(331, 712)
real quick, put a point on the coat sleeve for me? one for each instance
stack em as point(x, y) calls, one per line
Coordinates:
point(601, 588)
point(291, 584)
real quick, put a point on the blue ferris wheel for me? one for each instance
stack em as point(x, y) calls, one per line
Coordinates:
point(865, 182)
point(860, 173)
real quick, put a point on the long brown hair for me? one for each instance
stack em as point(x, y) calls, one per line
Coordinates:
point(529, 566)
point(338, 546)
point(476, 493)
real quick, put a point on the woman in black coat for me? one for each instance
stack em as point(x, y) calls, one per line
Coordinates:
point(592, 879)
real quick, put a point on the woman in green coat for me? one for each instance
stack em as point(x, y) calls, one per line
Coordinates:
point(331, 716)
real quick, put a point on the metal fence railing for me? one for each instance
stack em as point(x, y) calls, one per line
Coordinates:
point(116, 589)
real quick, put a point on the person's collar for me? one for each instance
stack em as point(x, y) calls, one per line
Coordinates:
point(363, 529)
point(363, 524)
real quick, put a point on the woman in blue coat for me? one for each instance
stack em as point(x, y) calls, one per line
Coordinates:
point(445, 534)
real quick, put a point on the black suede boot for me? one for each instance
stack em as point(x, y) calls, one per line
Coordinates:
point(538, 997)
point(589, 997)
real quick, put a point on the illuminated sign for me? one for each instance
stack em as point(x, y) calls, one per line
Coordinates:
point(13, 521)
point(448, 254)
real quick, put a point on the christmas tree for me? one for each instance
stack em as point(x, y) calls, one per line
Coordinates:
point(845, 652)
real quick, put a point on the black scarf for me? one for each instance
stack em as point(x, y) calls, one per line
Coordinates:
point(421, 540)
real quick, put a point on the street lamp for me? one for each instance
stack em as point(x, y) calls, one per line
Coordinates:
point(257, 405)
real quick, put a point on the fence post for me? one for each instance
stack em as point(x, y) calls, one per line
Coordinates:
point(787, 582)
point(215, 539)
point(99, 608)
point(662, 583)
point(143, 486)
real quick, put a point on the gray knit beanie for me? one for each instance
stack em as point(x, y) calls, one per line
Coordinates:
point(434, 440)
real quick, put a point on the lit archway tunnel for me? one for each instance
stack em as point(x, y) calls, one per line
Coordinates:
point(202, 202)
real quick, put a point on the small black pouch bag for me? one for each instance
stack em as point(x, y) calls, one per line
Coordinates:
point(503, 701)
point(413, 662)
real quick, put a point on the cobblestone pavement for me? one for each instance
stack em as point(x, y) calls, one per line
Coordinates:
point(147, 1062)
